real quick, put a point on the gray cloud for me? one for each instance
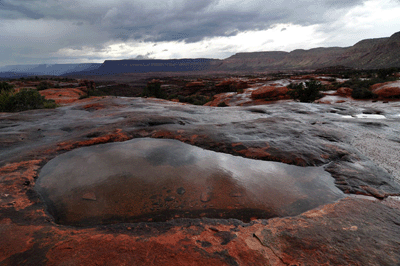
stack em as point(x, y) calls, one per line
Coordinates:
point(93, 23)
point(177, 19)
point(15, 11)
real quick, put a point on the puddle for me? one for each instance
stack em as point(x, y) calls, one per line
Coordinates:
point(362, 197)
point(371, 116)
point(366, 116)
point(159, 179)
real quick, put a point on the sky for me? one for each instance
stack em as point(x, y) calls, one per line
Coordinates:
point(81, 31)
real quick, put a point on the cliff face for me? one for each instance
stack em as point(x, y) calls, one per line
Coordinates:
point(156, 65)
point(366, 54)
point(373, 53)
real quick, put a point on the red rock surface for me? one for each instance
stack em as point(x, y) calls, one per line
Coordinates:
point(195, 84)
point(387, 89)
point(231, 85)
point(219, 99)
point(117, 136)
point(343, 91)
point(270, 92)
point(351, 231)
point(63, 96)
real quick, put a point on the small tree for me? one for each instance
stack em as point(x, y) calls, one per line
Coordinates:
point(307, 92)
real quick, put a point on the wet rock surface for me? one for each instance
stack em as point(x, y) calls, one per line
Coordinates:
point(387, 89)
point(136, 181)
point(360, 152)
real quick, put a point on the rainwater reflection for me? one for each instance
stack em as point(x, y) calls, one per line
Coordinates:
point(160, 179)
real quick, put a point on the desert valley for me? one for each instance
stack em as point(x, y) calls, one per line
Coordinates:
point(264, 158)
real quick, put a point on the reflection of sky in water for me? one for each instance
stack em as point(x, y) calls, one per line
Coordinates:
point(366, 116)
point(370, 116)
point(145, 157)
point(143, 167)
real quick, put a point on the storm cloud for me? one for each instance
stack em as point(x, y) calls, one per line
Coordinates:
point(33, 29)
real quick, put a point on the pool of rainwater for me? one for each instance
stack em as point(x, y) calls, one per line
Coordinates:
point(155, 180)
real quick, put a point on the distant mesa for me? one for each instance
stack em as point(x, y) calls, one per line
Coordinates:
point(110, 67)
point(366, 54)
point(17, 71)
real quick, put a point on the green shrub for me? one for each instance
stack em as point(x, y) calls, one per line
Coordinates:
point(84, 96)
point(4, 96)
point(386, 72)
point(172, 96)
point(194, 99)
point(26, 99)
point(307, 92)
point(222, 104)
point(92, 92)
point(153, 89)
point(4, 86)
point(361, 87)
point(363, 93)
point(44, 85)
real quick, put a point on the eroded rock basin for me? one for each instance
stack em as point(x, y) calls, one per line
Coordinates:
point(159, 179)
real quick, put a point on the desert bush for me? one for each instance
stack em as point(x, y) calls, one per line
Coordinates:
point(357, 83)
point(386, 72)
point(4, 86)
point(306, 92)
point(194, 99)
point(363, 93)
point(222, 104)
point(86, 95)
point(361, 87)
point(26, 99)
point(153, 89)
point(4, 96)
point(44, 85)
point(93, 92)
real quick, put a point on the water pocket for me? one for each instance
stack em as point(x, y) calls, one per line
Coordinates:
point(160, 179)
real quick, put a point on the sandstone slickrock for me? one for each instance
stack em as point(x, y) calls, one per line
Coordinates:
point(387, 89)
point(277, 93)
point(344, 91)
point(360, 153)
point(63, 96)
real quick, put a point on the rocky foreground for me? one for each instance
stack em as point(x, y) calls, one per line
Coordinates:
point(356, 142)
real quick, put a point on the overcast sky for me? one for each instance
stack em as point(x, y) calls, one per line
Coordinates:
point(77, 31)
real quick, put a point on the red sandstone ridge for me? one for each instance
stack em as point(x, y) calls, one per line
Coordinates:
point(352, 231)
point(344, 91)
point(195, 84)
point(112, 137)
point(270, 92)
point(219, 99)
point(387, 89)
point(63, 96)
point(231, 85)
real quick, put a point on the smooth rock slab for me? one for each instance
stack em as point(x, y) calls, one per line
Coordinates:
point(160, 179)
